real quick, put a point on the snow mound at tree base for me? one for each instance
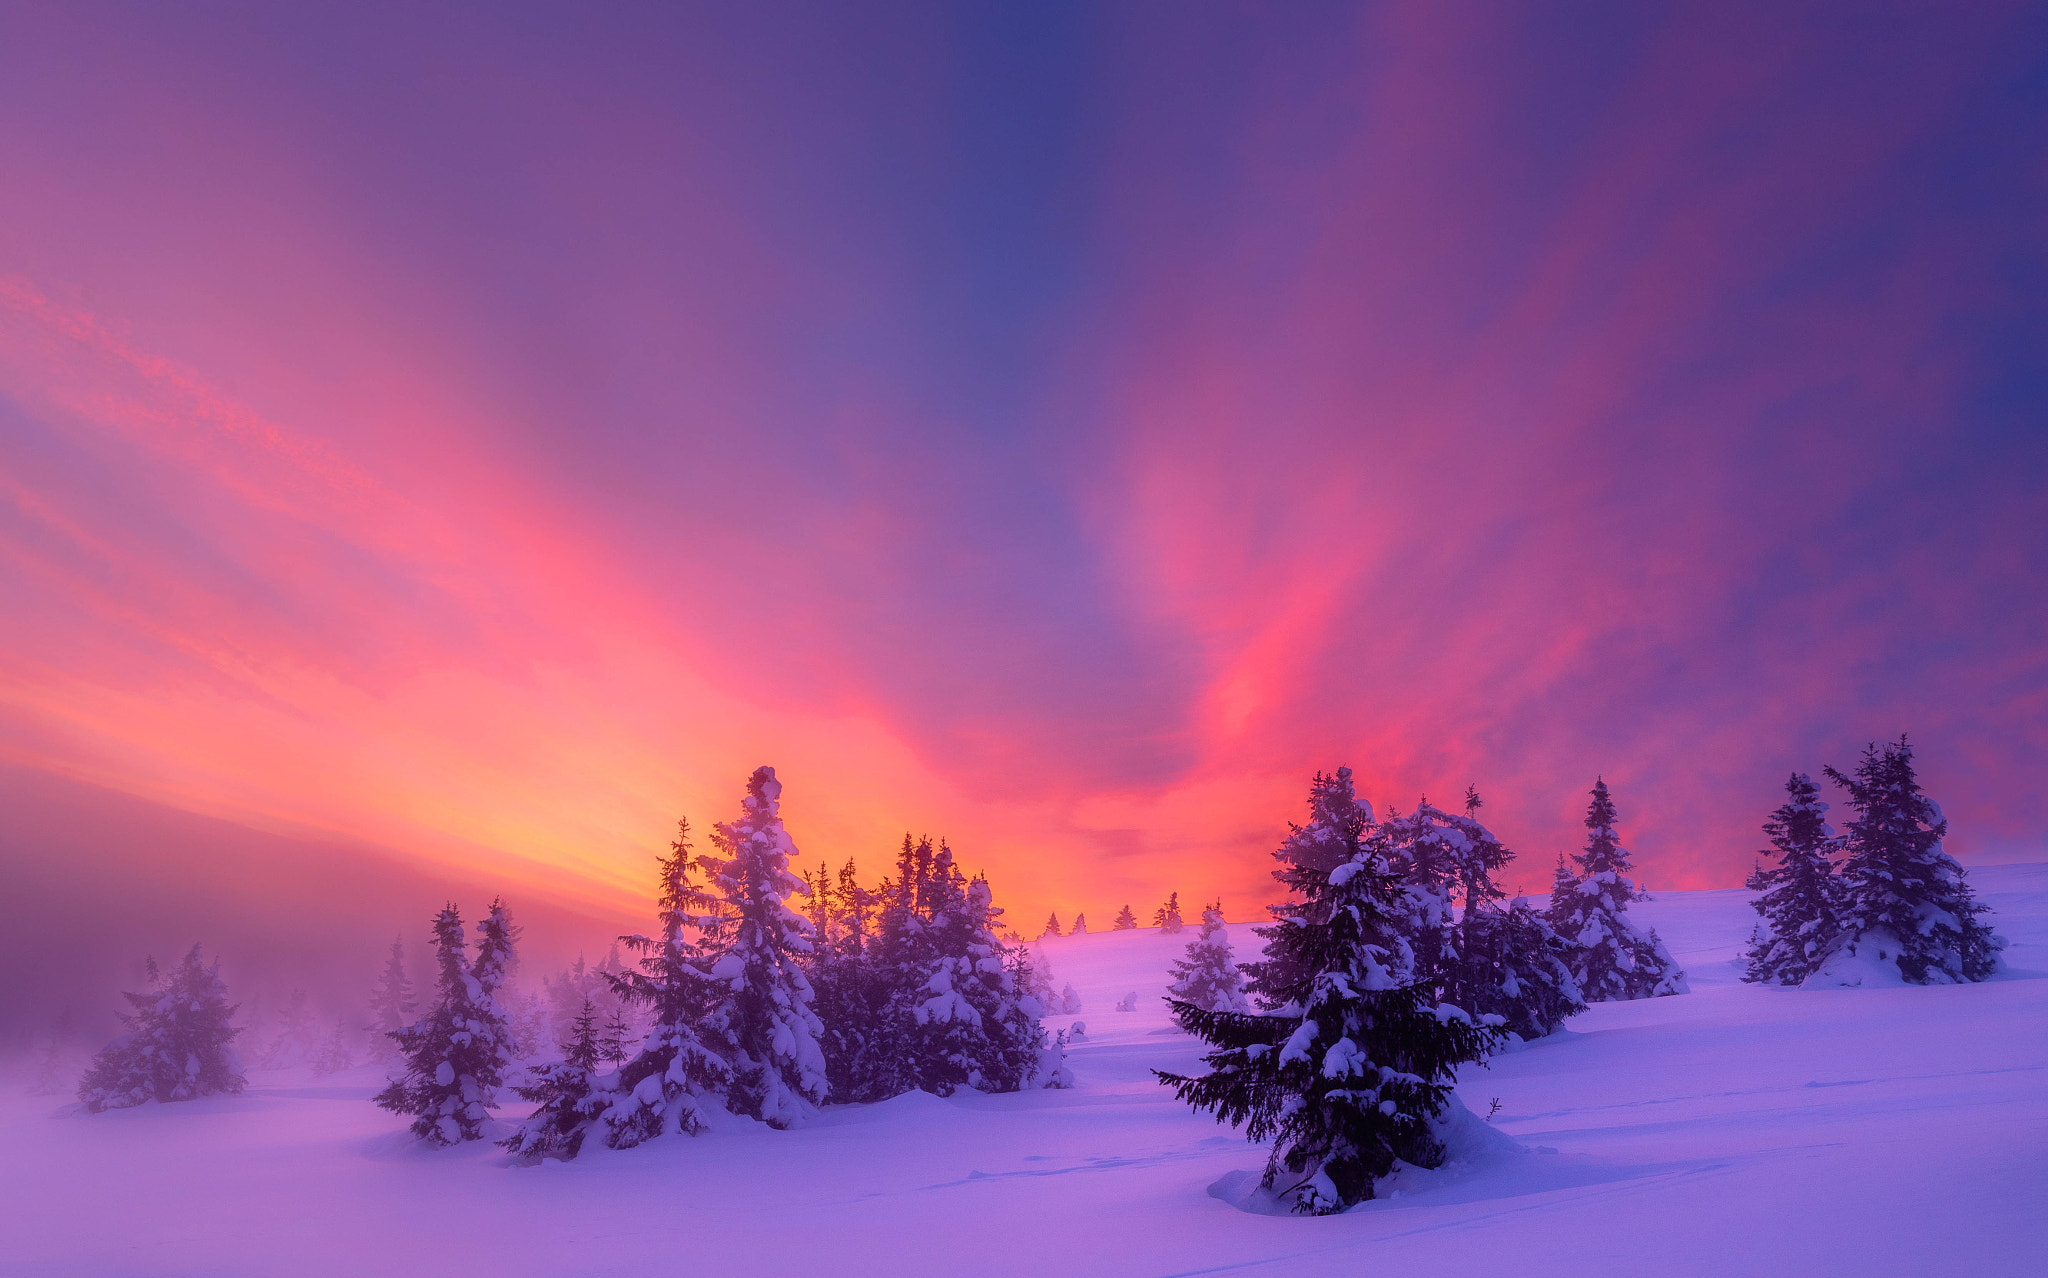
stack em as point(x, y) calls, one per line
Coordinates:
point(1870, 962)
point(1469, 1141)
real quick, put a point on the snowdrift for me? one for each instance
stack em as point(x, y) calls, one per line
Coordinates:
point(1736, 1129)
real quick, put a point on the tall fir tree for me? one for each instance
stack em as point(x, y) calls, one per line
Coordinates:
point(1206, 976)
point(1439, 857)
point(617, 1043)
point(1796, 897)
point(900, 961)
point(567, 1092)
point(846, 992)
point(961, 1014)
point(179, 1045)
point(1347, 1074)
point(1052, 925)
point(1125, 921)
point(1903, 899)
point(1337, 823)
point(1080, 927)
point(497, 940)
point(455, 1055)
point(1477, 955)
point(1512, 964)
point(762, 1020)
point(1614, 960)
point(675, 1079)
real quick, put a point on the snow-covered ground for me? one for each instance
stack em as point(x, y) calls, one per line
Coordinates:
point(1731, 1131)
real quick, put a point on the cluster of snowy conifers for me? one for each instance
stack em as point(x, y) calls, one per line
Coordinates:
point(1393, 962)
point(1880, 902)
point(1396, 958)
point(766, 1011)
point(1372, 990)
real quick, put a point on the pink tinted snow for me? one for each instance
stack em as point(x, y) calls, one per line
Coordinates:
point(1732, 1130)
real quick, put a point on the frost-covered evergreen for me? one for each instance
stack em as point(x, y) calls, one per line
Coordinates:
point(1125, 921)
point(966, 1024)
point(1167, 917)
point(391, 1000)
point(1206, 976)
point(762, 1021)
point(455, 1056)
point(1512, 964)
point(568, 1094)
point(1352, 1065)
point(846, 988)
point(1479, 956)
point(1797, 896)
point(1337, 822)
point(1442, 859)
point(956, 1008)
point(1080, 927)
point(1052, 925)
point(179, 1044)
point(1615, 961)
point(1903, 899)
point(674, 1080)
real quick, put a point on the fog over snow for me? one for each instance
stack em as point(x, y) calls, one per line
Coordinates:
point(1731, 1130)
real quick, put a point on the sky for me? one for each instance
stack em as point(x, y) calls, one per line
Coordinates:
point(473, 437)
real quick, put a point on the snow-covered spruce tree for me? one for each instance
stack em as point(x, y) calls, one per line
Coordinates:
point(674, 1080)
point(179, 1044)
point(1125, 921)
point(1902, 897)
point(1052, 926)
point(618, 1041)
point(1512, 964)
point(1337, 822)
point(1615, 961)
point(762, 1021)
point(1347, 1073)
point(847, 991)
point(1206, 976)
point(1796, 897)
point(568, 1095)
point(965, 1024)
point(496, 946)
point(1167, 917)
point(1032, 972)
point(1479, 956)
point(1080, 927)
point(391, 999)
point(1429, 850)
point(455, 1055)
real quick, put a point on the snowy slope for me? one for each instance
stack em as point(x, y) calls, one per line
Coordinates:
point(1733, 1130)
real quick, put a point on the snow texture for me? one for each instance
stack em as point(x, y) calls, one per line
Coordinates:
point(1740, 1129)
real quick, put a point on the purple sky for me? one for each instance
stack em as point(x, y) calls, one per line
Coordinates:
point(485, 434)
